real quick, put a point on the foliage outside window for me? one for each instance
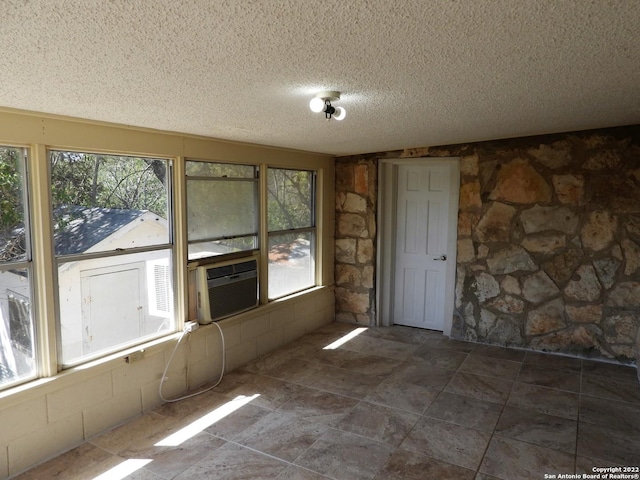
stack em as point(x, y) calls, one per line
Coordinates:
point(17, 333)
point(112, 240)
point(222, 208)
point(292, 230)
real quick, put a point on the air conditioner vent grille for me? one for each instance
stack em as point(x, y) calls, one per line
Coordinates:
point(230, 289)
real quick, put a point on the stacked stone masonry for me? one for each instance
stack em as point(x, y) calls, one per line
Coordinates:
point(355, 255)
point(548, 249)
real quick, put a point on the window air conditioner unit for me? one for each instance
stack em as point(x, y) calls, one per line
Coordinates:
point(227, 288)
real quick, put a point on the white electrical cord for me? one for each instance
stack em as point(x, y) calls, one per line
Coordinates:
point(166, 368)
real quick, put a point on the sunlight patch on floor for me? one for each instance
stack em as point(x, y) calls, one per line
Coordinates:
point(205, 421)
point(342, 340)
point(124, 469)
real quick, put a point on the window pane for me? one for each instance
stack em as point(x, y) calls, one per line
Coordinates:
point(291, 263)
point(290, 199)
point(104, 202)
point(221, 208)
point(12, 232)
point(219, 170)
point(107, 203)
point(17, 336)
point(17, 340)
point(220, 247)
point(111, 303)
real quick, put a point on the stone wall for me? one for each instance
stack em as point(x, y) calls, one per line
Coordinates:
point(548, 245)
point(355, 256)
point(548, 241)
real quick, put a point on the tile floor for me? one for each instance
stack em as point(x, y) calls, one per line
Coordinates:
point(391, 403)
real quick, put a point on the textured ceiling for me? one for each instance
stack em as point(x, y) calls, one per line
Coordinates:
point(413, 72)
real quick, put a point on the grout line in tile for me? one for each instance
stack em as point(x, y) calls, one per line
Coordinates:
point(270, 455)
point(504, 406)
point(344, 432)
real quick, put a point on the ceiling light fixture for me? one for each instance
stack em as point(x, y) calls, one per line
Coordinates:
point(322, 103)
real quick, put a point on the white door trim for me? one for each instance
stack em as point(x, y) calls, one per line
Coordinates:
point(387, 176)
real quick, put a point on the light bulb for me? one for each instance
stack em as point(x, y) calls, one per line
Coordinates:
point(316, 105)
point(340, 113)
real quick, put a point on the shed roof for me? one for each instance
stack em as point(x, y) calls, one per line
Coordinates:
point(77, 230)
point(84, 227)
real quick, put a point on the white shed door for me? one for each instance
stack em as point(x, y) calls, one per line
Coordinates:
point(422, 213)
point(111, 308)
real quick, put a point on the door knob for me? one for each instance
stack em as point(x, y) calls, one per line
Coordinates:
point(442, 258)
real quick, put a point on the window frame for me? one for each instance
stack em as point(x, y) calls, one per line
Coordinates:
point(27, 264)
point(42, 263)
point(60, 260)
point(312, 229)
point(255, 180)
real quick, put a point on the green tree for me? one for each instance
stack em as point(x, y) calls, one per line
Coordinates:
point(105, 181)
point(11, 211)
point(290, 199)
point(74, 179)
point(12, 244)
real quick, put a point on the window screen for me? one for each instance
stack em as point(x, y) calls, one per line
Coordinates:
point(292, 232)
point(17, 330)
point(222, 208)
point(112, 239)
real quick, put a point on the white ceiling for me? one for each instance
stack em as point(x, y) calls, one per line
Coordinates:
point(412, 72)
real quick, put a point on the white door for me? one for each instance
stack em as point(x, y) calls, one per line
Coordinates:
point(111, 308)
point(420, 270)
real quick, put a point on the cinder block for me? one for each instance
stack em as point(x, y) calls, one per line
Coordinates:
point(214, 346)
point(282, 316)
point(4, 462)
point(325, 299)
point(179, 360)
point(314, 321)
point(231, 333)
point(305, 306)
point(293, 330)
point(204, 372)
point(241, 355)
point(130, 376)
point(329, 315)
point(44, 443)
point(269, 341)
point(175, 386)
point(75, 398)
point(197, 349)
point(251, 328)
point(23, 418)
point(98, 418)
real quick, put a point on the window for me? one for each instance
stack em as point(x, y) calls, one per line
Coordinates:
point(112, 241)
point(222, 208)
point(292, 230)
point(17, 333)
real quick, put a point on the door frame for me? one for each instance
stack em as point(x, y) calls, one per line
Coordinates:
point(386, 235)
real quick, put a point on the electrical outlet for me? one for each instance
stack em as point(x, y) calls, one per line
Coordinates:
point(190, 326)
point(134, 357)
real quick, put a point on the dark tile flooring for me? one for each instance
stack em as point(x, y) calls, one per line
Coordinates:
point(390, 403)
